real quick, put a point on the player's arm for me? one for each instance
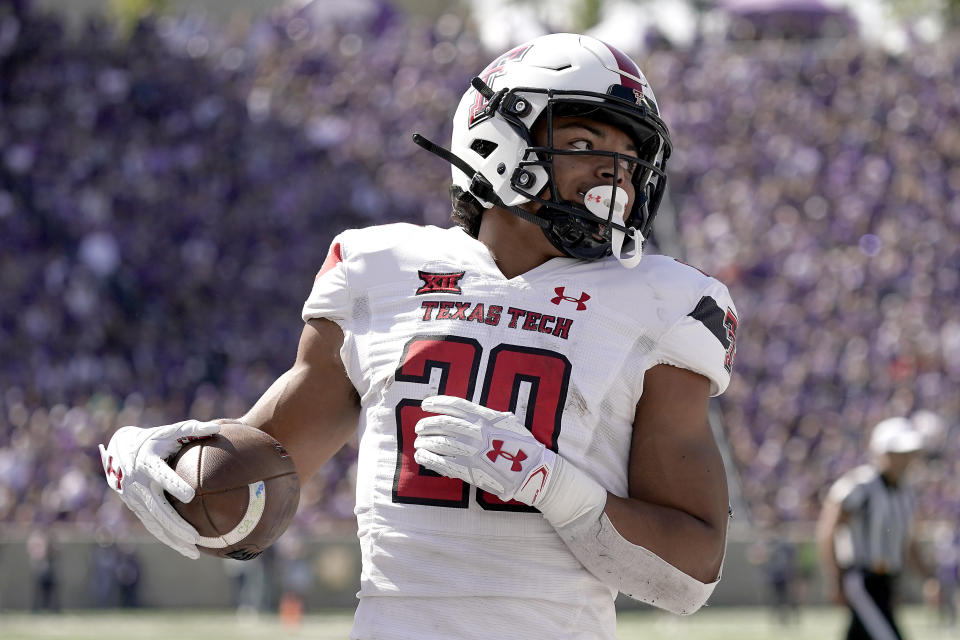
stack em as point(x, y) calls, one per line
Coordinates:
point(832, 516)
point(678, 505)
point(312, 409)
point(919, 562)
point(663, 544)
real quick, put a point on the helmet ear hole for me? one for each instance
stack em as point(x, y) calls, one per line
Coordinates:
point(483, 147)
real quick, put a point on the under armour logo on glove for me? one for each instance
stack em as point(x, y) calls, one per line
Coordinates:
point(584, 296)
point(515, 458)
point(467, 440)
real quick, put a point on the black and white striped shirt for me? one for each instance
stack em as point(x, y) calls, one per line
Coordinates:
point(878, 528)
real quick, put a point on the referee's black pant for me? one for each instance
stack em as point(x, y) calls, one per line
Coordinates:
point(870, 597)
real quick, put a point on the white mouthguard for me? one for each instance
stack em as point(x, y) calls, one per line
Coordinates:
point(597, 202)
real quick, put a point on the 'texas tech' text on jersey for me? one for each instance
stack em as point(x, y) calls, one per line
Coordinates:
point(565, 346)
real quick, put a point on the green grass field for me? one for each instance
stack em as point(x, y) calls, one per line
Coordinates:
point(708, 624)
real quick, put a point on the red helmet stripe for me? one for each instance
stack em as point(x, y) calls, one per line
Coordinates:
point(626, 65)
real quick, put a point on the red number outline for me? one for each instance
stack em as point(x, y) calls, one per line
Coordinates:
point(458, 359)
point(412, 483)
point(548, 394)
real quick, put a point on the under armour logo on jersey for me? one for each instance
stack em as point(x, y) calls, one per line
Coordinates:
point(515, 458)
point(561, 296)
point(439, 282)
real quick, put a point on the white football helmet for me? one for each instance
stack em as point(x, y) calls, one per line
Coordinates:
point(497, 160)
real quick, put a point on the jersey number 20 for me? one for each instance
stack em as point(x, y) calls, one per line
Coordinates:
point(458, 360)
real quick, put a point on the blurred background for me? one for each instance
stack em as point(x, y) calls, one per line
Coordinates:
point(171, 174)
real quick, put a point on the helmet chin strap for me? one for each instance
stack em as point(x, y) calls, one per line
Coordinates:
point(634, 243)
point(603, 200)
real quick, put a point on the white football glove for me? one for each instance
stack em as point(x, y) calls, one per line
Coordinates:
point(492, 450)
point(136, 468)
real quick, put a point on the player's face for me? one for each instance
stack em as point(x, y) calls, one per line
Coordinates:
point(897, 464)
point(574, 175)
point(577, 174)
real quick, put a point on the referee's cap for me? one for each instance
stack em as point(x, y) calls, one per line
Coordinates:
point(895, 435)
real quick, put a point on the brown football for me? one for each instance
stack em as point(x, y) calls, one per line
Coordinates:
point(247, 490)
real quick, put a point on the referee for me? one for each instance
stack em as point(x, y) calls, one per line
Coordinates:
point(865, 531)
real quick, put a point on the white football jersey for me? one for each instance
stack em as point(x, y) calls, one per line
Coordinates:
point(565, 346)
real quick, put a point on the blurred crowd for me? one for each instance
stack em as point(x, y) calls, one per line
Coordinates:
point(166, 199)
point(167, 196)
point(820, 183)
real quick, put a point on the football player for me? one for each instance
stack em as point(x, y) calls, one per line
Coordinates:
point(531, 396)
point(866, 534)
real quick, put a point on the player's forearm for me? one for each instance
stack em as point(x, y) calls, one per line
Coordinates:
point(631, 568)
point(826, 531)
point(828, 565)
point(655, 566)
point(828, 562)
point(311, 409)
point(689, 543)
point(312, 421)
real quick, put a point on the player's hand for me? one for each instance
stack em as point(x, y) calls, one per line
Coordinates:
point(136, 468)
point(489, 449)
